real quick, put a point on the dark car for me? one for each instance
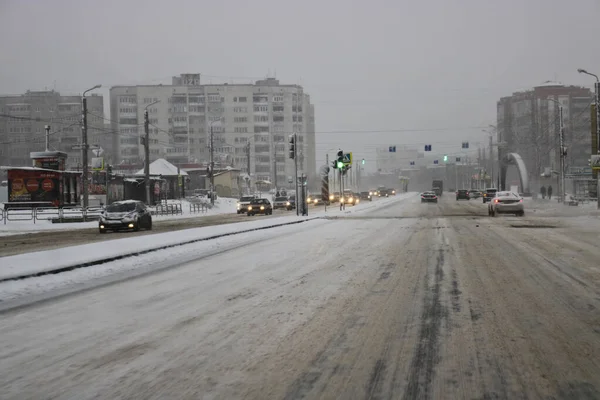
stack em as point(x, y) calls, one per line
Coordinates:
point(462, 194)
point(243, 203)
point(429, 197)
point(125, 215)
point(260, 206)
point(366, 196)
point(489, 194)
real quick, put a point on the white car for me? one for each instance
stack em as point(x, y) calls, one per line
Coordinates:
point(506, 203)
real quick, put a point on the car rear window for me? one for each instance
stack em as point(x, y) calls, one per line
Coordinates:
point(121, 207)
point(280, 198)
point(247, 198)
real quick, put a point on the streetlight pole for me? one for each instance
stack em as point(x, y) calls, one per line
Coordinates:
point(597, 92)
point(147, 150)
point(561, 138)
point(212, 164)
point(85, 147)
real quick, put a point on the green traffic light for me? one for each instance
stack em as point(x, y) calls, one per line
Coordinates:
point(340, 165)
point(445, 158)
point(363, 161)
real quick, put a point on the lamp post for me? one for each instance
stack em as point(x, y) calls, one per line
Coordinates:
point(212, 164)
point(597, 92)
point(85, 147)
point(562, 149)
point(147, 150)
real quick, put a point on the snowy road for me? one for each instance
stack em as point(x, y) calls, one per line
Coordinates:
point(407, 301)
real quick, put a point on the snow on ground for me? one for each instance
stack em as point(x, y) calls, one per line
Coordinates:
point(47, 260)
point(222, 205)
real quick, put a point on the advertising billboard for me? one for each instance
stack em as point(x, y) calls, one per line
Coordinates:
point(34, 186)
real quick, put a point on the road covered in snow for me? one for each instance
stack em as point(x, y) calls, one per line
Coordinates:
point(399, 300)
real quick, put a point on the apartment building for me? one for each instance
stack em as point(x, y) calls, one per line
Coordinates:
point(250, 125)
point(23, 118)
point(528, 124)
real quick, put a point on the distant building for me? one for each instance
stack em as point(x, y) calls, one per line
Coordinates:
point(246, 119)
point(528, 124)
point(22, 121)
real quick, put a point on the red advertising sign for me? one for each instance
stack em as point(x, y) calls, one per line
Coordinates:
point(32, 185)
point(47, 185)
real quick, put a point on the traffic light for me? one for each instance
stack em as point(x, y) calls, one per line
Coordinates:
point(109, 169)
point(334, 164)
point(292, 140)
point(340, 159)
point(363, 161)
point(445, 158)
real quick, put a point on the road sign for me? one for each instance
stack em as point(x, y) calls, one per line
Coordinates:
point(347, 158)
point(595, 161)
point(435, 161)
point(98, 163)
point(392, 149)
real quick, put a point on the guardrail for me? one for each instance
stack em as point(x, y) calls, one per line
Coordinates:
point(49, 214)
point(198, 208)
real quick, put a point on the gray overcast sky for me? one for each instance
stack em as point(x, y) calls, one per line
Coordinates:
point(368, 65)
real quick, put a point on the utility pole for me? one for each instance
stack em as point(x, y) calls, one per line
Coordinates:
point(84, 148)
point(248, 162)
point(562, 155)
point(597, 101)
point(492, 162)
point(47, 128)
point(275, 167)
point(212, 165)
point(147, 151)
point(296, 171)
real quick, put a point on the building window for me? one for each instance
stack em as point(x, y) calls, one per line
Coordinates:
point(240, 119)
point(243, 99)
point(278, 118)
point(278, 98)
point(261, 118)
point(214, 98)
point(240, 129)
point(240, 109)
point(260, 108)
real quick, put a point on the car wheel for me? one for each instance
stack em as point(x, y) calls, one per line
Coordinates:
point(102, 230)
point(136, 227)
point(149, 226)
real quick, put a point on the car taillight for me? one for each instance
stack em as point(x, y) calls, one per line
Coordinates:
point(520, 201)
point(495, 200)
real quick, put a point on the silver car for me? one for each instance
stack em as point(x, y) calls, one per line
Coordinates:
point(506, 203)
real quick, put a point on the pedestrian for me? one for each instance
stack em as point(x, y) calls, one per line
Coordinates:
point(543, 191)
point(550, 192)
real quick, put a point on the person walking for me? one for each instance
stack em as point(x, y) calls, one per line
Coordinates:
point(543, 191)
point(550, 192)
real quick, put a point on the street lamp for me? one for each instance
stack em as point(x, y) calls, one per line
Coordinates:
point(84, 147)
point(147, 150)
point(212, 164)
point(597, 92)
point(562, 149)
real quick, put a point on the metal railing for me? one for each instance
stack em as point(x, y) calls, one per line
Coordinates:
point(198, 208)
point(59, 215)
point(168, 209)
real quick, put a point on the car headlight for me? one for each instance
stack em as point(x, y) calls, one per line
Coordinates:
point(262, 207)
point(393, 191)
point(316, 201)
point(370, 193)
point(249, 207)
point(331, 197)
point(287, 203)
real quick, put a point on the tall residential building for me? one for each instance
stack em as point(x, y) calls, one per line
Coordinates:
point(528, 124)
point(246, 120)
point(23, 118)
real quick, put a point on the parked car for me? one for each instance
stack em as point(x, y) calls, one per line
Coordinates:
point(125, 215)
point(260, 206)
point(506, 203)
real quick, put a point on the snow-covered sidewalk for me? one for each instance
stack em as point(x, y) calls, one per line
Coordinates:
point(56, 259)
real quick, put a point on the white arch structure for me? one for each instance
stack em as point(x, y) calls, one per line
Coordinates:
point(516, 160)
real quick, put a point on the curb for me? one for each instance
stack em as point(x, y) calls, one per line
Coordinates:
point(138, 253)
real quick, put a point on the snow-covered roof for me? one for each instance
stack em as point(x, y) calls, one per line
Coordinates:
point(6, 168)
point(162, 167)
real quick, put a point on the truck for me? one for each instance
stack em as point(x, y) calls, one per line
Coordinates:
point(438, 187)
